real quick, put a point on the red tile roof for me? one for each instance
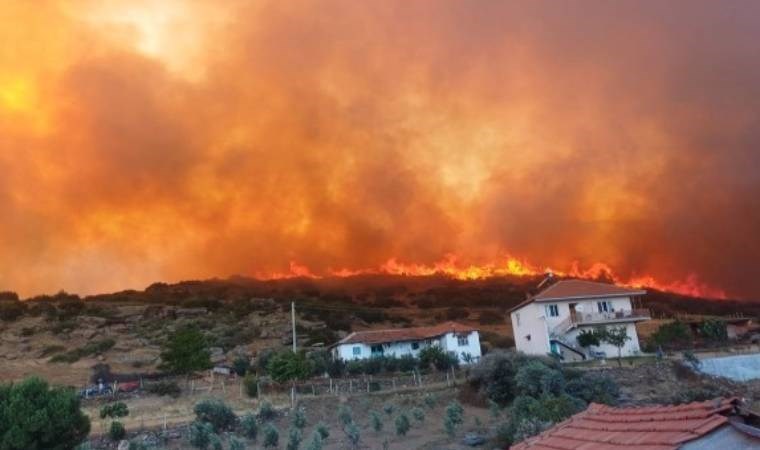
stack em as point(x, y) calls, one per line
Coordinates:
point(584, 289)
point(602, 427)
point(405, 334)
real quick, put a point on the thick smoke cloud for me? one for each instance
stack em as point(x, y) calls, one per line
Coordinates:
point(141, 142)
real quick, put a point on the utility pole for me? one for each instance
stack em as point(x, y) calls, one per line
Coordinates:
point(293, 319)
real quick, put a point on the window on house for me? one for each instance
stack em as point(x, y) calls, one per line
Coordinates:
point(357, 350)
point(604, 307)
point(415, 345)
point(552, 310)
point(462, 341)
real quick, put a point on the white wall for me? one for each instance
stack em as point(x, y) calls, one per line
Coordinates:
point(530, 330)
point(447, 342)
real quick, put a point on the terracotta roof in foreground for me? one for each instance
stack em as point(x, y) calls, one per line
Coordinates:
point(602, 427)
point(404, 334)
point(583, 289)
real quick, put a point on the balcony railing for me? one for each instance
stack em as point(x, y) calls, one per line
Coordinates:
point(579, 318)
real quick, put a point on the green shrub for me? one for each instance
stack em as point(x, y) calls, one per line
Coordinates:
point(430, 400)
point(236, 444)
point(587, 338)
point(162, 388)
point(402, 424)
point(592, 387)
point(536, 378)
point(267, 411)
point(299, 418)
point(672, 335)
point(294, 439)
point(435, 356)
point(241, 365)
point(92, 348)
point(116, 432)
point(200, 434)
point(11, 310)
point(418, 414)
point(714, 330)
point(251, 385)
point(323, 430)
point(494, 375)
point(345, 415)
point(376, 421)
point(117, 409)
point(186, 351)
point(692, 359)
point(286, 365)
point(64, 425)
point(353, 434)
point(271, 437)
point(249, 426)
point(316, 442)
point(217, 413)
point(455, 412)
point(389, 408)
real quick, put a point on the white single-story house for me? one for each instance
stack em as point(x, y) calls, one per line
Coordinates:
point(550, 321)
point(458, 340)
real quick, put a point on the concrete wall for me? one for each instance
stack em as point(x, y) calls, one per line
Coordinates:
point(530, 330)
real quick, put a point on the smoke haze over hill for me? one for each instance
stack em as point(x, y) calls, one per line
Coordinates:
point(144, 141)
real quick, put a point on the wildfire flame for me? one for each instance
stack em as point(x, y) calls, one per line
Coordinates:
point(450, 266)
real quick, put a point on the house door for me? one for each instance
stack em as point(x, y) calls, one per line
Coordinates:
point(572, 311)
point(555, 348)
point(377, 350)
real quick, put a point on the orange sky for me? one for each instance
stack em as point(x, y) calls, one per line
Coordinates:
point(144, 141)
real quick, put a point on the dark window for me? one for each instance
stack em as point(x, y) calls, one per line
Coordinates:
point(415, 345)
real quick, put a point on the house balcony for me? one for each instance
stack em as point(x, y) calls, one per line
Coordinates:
point(577, 319)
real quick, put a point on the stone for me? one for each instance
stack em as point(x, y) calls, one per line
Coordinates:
point(123, 445)
point(473, 439)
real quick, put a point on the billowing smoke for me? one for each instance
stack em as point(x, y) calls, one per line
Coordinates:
point(144, 141)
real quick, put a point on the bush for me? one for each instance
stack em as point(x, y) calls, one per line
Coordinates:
point(294, 439)
point(591, 387)
point(353, 435)
point(162, 388)
point(672, 335)
point(299, 418)
point(271, 437)
point(118, 409)
point(436, 357)
point(241, 365)
point(588, 338)
point(418, 414)
point(249, 426)
point(494, 375)
point(251, 385)
point(10, 311)
point(323, 430)
point(64, 425)
point(345, 415)
point(89, 349)
point(316, 442)
point(200, 434)
point(375, 421)
point(217, 413)
point(286, 365)
point(407, 363)
point(186, 351)
point(402, 424)
point(536, 378)
point(430, 400)
point(236, 444)
point(455, 412)
point(267, 411)
point(714, 330)
point(117, 432)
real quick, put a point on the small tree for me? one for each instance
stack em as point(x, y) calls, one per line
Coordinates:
point(236, 444)
point(345, 415)
point(616, 336)
point(117, 432)
point(714, 330)
point(402, 424)
point(286, 365)
point(267, 411)
point(251, 385)
point(241, 365)
point(200, 434)
point(316, 442)
point(418, 414)
point(113, 410)
point(299, 418)
point(217, 413)
point(186, 352)
point(249, 426)
point(270, 436)
point(64, 425)
point(389, 408)
point(435, 356)
point(353, 435)
point(323, 430)
point(216, 442)
point(294, 439)
point(453, 417)
point(588, 338)
point(376, 421)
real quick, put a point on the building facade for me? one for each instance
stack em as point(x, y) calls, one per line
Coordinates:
point(454, 338)
point(550, 321)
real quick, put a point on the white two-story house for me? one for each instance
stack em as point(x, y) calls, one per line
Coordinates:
point(550, 321)
point(458, 340)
